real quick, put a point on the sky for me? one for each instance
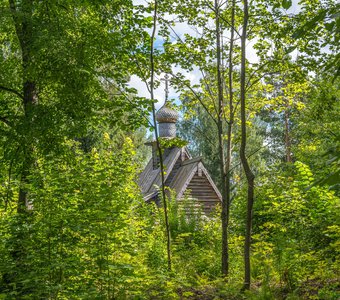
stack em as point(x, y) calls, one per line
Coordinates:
point(195, 75)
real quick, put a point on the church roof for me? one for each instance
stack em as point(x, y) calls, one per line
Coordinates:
point(186, 172)
point(150, 179)
point(180, 168)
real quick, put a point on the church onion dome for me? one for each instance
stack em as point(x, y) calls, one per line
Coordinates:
point(166, 114)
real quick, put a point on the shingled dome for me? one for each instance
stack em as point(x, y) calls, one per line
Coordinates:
point(166, 115)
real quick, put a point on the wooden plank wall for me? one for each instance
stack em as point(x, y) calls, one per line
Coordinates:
point(201, 190)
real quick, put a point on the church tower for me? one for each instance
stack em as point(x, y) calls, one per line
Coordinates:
point(167, 118)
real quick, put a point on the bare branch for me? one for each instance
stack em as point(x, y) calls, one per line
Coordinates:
point(223, 19)
point(162, 173)
point(209, 90)
point(258, 69)
point(258, 79)
point(202, 132)
point(199, 99)
point(143, 77)
point(121, 92)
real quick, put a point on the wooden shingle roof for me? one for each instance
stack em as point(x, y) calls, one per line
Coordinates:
point(150, 178)
point(180, 169)
point(185, 174)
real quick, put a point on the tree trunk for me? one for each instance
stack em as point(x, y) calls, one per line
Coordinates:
point(229, 143)
point(23, 26)
point(287, 134)
point(22, 19)
point(152, 72)
point(225, 202)
point(249, 174)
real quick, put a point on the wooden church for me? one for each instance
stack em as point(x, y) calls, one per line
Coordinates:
point(185, 175)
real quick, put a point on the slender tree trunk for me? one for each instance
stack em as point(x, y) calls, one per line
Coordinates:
point(229, 138)
point(249, 174)
point(152, 73)
point(225, 202)
point(287, 134)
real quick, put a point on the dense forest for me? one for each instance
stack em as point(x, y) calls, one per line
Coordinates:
point(256, 85)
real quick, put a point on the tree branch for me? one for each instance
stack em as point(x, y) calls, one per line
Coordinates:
point(222, 18)
point(212, 97)
point(199, 99)
point(4, 120)
point(160, 154)
point(258, 79)
point(11, 91)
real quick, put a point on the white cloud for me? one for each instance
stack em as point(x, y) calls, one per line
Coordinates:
point(194, 76)
point(159, 92)
point(140, 2)
point(140, 86)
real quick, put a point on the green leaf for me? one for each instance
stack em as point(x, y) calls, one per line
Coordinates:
point(290, 49)
point(329, 26)
point(286, 4)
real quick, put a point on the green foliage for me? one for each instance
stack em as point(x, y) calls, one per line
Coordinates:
point(88, 233)
point(172, 142)
point(292, 231)
point(90, 236)
point(79, 65)
point(72, 242)
point(195, 240)
point(317, 132)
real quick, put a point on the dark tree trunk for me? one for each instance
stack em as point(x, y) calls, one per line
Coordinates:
point(249, 174)
point(23, 26)
point(22, 18)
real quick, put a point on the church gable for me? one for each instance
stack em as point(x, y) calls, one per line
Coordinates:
point(184, 175)
point(193, 179)
point(200, 189)
point(174, 171)
point(150, 179)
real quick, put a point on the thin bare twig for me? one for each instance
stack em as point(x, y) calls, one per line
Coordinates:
point(199, 99)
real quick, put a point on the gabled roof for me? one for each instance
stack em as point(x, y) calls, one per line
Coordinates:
point(186, 173)
point(150, 179)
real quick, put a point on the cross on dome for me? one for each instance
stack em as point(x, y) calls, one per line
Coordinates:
point(166, 116)
point(166, 80)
